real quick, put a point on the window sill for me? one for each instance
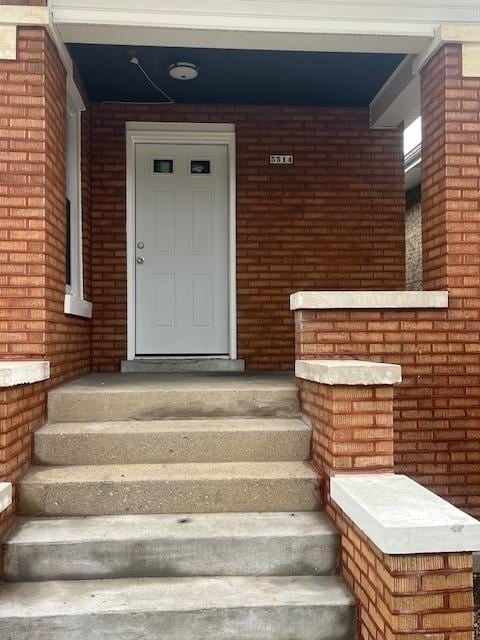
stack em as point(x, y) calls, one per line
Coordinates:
point(75, 306)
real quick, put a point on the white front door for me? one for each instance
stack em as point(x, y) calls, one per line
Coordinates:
point(181, 249)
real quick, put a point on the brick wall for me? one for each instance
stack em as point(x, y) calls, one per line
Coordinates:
point(333, 220)
point(32, 242)
point(436, 408)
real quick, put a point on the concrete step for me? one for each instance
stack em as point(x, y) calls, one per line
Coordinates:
point(182, 365)
point(223, 608)
point(268, 544)
point(153, 441)
point(168, 488)
point(142, 396)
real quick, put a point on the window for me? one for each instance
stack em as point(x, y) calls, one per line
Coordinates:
point(74, 302)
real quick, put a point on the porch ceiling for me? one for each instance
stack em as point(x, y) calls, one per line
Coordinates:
point(233, 76)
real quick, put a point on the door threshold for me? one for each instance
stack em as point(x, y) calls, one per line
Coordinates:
point(183, 365)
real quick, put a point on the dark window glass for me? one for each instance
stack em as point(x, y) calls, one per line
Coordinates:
point(199, 166)
point(162, 166)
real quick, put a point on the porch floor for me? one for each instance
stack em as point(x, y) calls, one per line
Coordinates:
point(117, 382)
point(148, 396)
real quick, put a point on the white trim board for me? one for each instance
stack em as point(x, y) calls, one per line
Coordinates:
point(179, 133)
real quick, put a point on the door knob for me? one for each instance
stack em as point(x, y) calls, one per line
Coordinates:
point(140, 259)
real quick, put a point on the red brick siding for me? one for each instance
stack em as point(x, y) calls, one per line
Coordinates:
point(32, 242)
point(333, 220)
point(436, 408)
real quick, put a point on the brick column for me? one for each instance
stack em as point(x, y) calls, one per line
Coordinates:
point(353, 427)
point(451, 178)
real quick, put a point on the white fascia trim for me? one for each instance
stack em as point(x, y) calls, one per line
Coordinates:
point(5, 495)
point(75, 306)
point(398, 100)
point(401, 517)
point(369, 300)
point(15, 372)
point(348, 372)
point(180, 127)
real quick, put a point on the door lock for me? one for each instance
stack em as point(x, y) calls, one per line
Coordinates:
point(140, 245)
point(140, 259)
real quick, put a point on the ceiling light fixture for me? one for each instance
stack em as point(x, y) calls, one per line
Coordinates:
point(183, 70)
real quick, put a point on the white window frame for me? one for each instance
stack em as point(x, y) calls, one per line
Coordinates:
point(74, 300)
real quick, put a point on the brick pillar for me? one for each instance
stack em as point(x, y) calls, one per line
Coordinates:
point(353, 427)
point(451, 178)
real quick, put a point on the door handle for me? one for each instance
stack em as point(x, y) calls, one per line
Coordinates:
point(140, 259)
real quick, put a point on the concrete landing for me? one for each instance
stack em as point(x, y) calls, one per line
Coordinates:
point(143, 396)
point(226, 608)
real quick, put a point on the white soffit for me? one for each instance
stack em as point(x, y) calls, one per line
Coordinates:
point(402, 517)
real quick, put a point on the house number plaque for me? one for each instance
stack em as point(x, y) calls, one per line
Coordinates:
point(281, 159)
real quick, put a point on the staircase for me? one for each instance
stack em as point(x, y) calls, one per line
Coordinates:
point(173, 507)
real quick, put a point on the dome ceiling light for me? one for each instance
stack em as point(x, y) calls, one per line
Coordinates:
point(183, 70)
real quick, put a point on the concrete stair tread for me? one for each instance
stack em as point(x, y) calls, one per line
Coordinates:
point(168, 488)
point(58, 531)
point(244, 608)
point(211, 544)
point(28, 600)
point(192, 471)
point(214, 425)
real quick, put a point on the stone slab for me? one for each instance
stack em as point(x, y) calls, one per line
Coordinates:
point(368, 300)
point(401, 517)
point(182, 365)
point(348, 372)
point(15, 372)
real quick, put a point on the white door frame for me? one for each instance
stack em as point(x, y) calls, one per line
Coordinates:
point(180, 133)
